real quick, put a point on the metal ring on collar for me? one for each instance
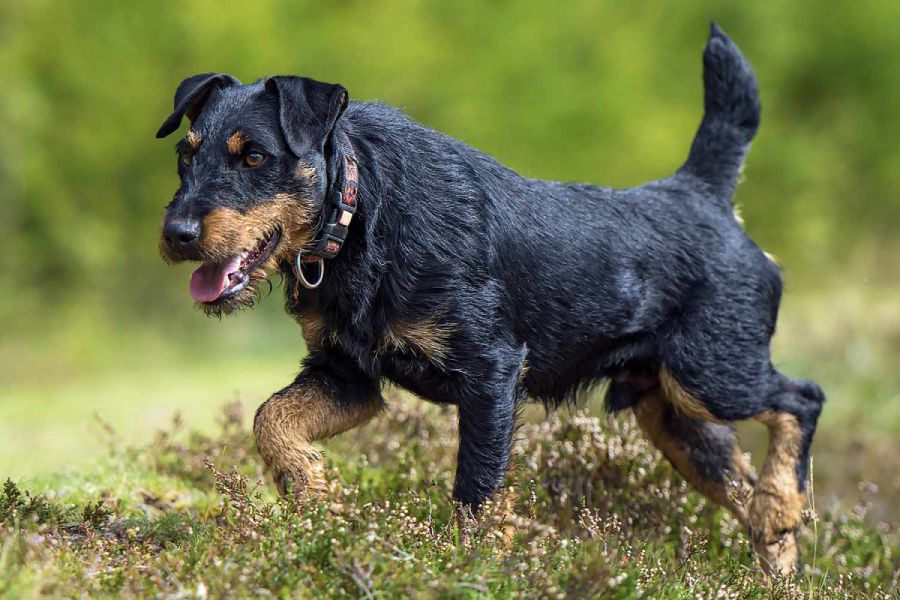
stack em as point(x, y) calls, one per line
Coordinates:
point(298, 264)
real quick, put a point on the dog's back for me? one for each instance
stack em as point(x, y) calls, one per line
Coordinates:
point(593, 277)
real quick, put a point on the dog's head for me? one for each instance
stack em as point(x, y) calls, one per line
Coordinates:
point(253, 179)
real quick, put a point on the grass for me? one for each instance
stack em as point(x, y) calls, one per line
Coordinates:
point(59, 417)
point(127, 505)
point(591, 510)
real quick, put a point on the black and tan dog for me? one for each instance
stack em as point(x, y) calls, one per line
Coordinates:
point(411, 257)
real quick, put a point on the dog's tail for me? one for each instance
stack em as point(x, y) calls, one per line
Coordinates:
point(730, 119)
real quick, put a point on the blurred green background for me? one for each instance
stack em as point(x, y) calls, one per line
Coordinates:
point(606, 92)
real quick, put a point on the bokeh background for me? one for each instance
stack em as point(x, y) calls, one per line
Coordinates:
point(92, 322)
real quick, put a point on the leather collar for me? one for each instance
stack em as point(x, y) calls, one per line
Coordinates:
point(340, 206)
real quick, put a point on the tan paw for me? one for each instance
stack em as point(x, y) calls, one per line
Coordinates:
point(778, 554)
point(303, 482)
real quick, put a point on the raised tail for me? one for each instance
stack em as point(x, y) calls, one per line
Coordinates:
point(730, 119)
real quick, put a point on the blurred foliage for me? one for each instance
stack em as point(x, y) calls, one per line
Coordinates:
point(600, 91)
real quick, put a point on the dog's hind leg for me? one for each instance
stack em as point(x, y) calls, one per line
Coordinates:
point(326, 399)
point(791, 417)
point(704, 452)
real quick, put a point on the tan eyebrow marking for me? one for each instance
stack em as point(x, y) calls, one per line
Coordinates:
point(236, 142)
point(193, 139)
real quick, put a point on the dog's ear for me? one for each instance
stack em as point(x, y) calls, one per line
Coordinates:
point(191, 96)
point(308, 110)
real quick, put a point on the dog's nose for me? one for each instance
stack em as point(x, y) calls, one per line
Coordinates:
point(183, 234)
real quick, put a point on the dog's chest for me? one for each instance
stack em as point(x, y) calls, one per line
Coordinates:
point(412, 354)
point(418, 375)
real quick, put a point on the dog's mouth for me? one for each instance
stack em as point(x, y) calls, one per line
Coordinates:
point(213, 282)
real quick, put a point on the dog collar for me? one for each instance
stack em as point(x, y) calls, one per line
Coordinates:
point(342, 202)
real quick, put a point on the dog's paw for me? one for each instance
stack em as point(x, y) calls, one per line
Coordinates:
point(303, 484)
point(778, 554)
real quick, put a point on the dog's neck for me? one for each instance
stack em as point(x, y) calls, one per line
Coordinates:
point(348, 214)
point(340, 199)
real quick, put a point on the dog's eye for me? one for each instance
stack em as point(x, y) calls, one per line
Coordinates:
point(254, 159)
point(185, 159)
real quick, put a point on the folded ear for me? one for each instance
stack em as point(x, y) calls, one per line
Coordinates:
point(308, 110)
point(191, 95)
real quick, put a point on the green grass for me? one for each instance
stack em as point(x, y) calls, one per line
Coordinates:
point(590, 510)
point(47, 426)
point(126, 505)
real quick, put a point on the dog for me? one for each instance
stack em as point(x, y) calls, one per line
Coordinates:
point(411, 257)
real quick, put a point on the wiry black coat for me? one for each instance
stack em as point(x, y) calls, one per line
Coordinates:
point(584, 283)
point(544, 289)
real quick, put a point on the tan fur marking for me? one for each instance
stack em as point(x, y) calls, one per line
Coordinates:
point(428, 337)
point(650, 413)
point(777, 501)
point(523, 372)
point(315, 331)
point(681, 399)
point(313, 327)
point(772, 258)
point(227, 232)
point(305, 171)
point(236, 142)
point(193, 139)
point(744, 471)
point(290, 420)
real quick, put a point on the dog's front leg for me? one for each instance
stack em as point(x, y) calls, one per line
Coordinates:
point(486, 422)
point(327, 398)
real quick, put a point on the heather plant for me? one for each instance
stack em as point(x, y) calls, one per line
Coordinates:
point(590, 510)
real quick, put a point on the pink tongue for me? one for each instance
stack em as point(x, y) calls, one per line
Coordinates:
point(208, 281)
